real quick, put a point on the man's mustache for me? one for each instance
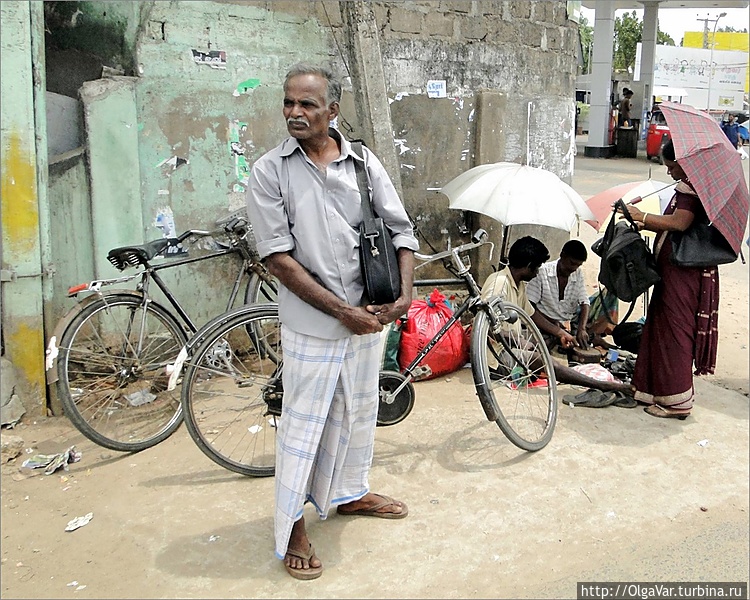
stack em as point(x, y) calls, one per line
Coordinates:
point(302, 120)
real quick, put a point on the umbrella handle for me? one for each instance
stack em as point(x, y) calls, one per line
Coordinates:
point(504, 245)
point(637, 199)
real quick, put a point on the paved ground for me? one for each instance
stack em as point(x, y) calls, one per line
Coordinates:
point(616, 496)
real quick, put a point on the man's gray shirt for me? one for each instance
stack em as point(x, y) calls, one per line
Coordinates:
point(315, 216)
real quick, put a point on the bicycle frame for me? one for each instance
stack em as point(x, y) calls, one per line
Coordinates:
point(151, 272)
point(474, 302)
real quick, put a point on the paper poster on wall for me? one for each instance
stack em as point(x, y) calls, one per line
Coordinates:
point(165, 221)
point(216, 59)
point(237, 150)
point(437, 88)
point(246, 86)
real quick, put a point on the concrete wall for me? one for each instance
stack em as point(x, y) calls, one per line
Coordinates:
point(70, 212)
point(63, 124)
point(197, 126)
point(22, 186)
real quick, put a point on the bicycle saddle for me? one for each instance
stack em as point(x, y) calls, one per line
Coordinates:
point(132, 256)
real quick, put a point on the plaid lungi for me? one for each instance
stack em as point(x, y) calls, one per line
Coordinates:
point(325, 437)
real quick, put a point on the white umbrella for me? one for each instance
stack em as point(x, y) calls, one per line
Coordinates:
point(517, 195)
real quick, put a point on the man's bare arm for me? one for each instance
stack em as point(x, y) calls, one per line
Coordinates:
point(300, 282)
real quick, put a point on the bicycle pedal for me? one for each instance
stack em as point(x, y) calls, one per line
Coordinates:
point(423, 371)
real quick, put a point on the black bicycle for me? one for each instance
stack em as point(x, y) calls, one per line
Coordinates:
point(232, 392)
point(110, 354)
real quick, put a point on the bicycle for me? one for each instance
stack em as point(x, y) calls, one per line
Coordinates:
point(232, 392)
point(115, 344)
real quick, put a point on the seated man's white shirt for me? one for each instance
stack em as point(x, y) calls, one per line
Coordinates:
point(544, 292)
point(501, 283)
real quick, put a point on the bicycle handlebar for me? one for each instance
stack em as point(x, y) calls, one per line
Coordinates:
point(197, 232)
point(478, 239)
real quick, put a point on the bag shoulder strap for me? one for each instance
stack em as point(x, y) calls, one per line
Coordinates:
point(627, 314)
point(609, 233)
point(363, 184)
point(621, 205)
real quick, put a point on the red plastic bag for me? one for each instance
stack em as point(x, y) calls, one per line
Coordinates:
point(424, 319)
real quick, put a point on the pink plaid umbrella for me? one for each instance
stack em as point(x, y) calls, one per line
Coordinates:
point(713, 166)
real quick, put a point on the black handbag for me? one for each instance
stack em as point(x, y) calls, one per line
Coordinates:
point(628, 267)
point(701, 245)
point(628, 336)
point(377, 254)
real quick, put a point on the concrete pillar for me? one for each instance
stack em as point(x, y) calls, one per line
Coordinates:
point(42, 155)
point(601, 81)
point(644, 99)
point(21, 287)
point(111, 123)
point(368, 85)
point(490, 139)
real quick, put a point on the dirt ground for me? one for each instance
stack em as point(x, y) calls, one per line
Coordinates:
point(616, 496)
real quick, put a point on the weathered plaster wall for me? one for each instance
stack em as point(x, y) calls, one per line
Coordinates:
point(523, 51)
point(202, 124)
point(209, 123)
point(70, 211)
point(20, 245)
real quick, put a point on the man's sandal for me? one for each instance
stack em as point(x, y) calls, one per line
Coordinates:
point(304, 574)
point(591, 398)
point(376, 509)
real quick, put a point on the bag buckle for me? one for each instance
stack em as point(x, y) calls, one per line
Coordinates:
point(373, 248)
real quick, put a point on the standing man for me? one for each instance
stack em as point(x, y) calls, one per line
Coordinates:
point(731, 129)
point(559, 293)
point(304, 204)
point(626, 105)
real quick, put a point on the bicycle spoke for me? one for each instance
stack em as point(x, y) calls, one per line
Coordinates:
point(515, 377)
point(225, 387)
point(114, 395)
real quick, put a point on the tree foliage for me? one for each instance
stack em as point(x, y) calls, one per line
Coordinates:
point(628, 34)
point(664, 39)
point(586, 33)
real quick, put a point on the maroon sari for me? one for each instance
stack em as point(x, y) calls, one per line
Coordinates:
point(681, 325)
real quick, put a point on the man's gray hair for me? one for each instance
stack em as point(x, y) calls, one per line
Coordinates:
point(333, 86)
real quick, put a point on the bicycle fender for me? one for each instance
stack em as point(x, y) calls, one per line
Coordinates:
point(52, 350)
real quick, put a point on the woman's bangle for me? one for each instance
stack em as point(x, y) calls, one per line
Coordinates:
point(644, 218)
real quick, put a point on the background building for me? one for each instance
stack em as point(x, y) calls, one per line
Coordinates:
point(178, 99)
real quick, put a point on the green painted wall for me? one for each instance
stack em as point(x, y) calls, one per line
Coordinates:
point(195, 112)
point(21, 296)
point(181, 153)
point(72, 234)
point(111, 121)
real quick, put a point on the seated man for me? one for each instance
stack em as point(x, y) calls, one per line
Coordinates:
point(525, 258)
point(602, 317)
point(558, 292)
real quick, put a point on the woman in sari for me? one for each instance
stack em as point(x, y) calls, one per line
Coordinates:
point(681, 327)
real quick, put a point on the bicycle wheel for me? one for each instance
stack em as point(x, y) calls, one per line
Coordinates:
point(261, 290)
point(112, 378)
point(516, 383)
point(231, 390)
